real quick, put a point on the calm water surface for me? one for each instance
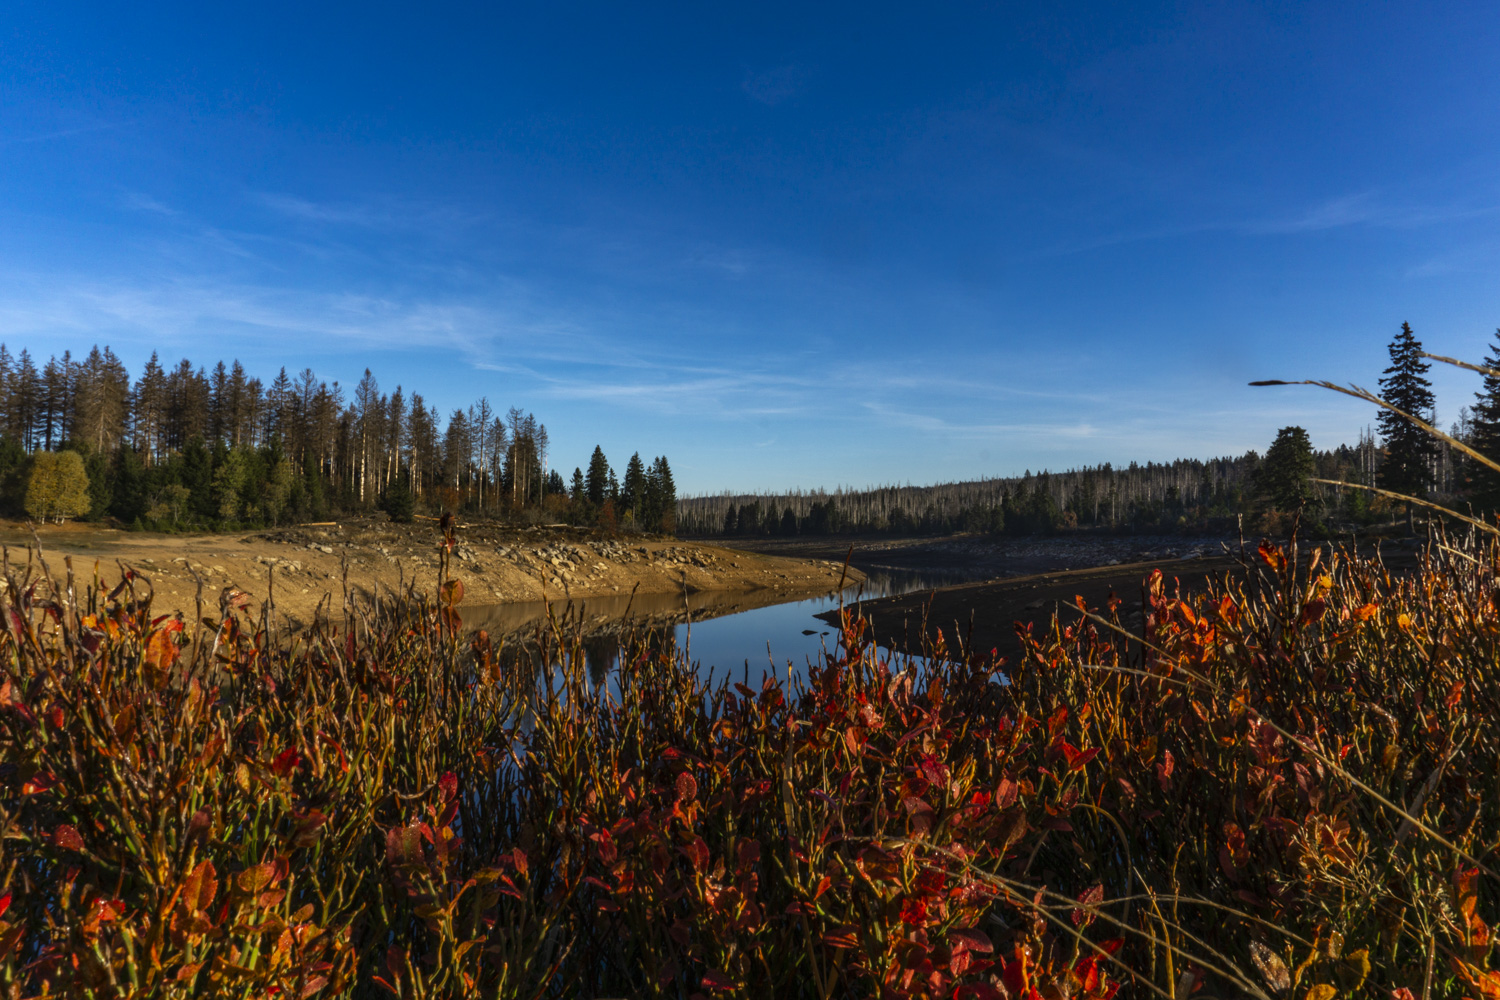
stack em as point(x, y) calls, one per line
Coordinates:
point(729, 632)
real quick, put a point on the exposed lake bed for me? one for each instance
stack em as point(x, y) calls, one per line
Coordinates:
point(304, 567)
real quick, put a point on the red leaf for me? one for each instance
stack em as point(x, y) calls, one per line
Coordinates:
point(687, 787)
point(67, 838)
point(4, 904)
point(970, 940)
point(697, 853)
point(449, 784)
point(1078, 758)
point(978, 991)
point(1090, 896)
point(1164, 771)
point(717, 980)
point(285, 761)
point(913, 911)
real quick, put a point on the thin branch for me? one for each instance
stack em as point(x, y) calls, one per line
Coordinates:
point(1461, 364)
point(1408, 499)
point(1369, 397)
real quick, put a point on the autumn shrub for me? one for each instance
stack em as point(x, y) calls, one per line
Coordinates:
point(1283, 786)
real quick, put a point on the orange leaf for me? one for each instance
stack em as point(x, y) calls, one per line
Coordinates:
point(1273, 556)
point(845, 936)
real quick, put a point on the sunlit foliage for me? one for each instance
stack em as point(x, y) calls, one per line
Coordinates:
point(1287, 789)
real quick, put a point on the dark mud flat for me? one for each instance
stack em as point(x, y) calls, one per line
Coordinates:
point(984, 615)
point(973, 557)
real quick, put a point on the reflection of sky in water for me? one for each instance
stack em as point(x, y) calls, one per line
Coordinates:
point(735, 643)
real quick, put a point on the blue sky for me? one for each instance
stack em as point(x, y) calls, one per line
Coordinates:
point(784, 244)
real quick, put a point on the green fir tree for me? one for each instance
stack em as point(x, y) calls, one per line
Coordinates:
point(1409, 450)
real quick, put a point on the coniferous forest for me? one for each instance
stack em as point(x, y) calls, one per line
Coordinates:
point(188, 448)
point(1257, 492)
point(1184, 495)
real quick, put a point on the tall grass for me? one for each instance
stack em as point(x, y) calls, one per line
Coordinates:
point(1284, 786)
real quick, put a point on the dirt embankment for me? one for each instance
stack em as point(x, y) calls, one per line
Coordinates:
point(498, 564)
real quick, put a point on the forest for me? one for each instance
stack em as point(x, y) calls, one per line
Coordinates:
point(1267, 493)
point(1184, 495)
point(186, 448)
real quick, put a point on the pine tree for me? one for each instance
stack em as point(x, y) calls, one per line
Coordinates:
point(1484, 482)
point(7, 386)
point(25, 402)
point(279, 400)
point(56, 402)
point(1409, 450)
point(579, 490)
point(149, 409)
point(218, 404)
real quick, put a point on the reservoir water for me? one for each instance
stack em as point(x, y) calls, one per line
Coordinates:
point(722, 631)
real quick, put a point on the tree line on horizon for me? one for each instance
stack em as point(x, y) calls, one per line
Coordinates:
point(1182, 495)
point(185, 447)
point(1261, 492)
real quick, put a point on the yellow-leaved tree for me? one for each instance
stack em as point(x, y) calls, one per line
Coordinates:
point(58, 486)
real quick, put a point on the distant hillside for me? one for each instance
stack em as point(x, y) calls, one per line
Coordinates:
point(1186, 494)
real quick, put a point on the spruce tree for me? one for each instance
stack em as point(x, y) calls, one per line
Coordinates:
point(1284, 479)
point(633, 490)
point(397, 502)
point(663, 496)
point(1484, 488)
point(1408, 449)
point(596, 480)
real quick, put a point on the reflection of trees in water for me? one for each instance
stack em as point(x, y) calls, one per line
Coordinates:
point(600, 654)
point(525, 660)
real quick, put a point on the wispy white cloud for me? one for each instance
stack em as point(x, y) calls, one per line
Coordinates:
point(933, 424)
point(136, 201)
point(63, 133)
point(324, 212)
